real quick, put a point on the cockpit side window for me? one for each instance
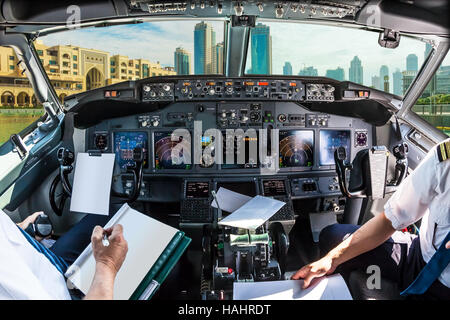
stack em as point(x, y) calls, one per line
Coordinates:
point(19, 107)
point(434, 104)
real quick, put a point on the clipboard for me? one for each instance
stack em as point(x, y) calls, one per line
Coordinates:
point(154, 248)
point(92, 182)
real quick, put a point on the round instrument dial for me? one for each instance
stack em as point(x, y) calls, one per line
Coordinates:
point(101, 141)
point(361, 139)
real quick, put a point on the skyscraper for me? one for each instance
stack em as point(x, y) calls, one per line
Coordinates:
point(261, 41)
point(287, 69)
point(355, 73)
point(397, 79)
point(308, 71)
point(219, 58)
point(384, 72)
point(204, 49)
point(337, 74)
point(376, 83)
point(412, 63)
point(182, 61)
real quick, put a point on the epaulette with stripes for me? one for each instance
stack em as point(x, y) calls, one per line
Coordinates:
point(443, 151)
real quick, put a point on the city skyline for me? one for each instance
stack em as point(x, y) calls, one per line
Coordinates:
point(366, 70)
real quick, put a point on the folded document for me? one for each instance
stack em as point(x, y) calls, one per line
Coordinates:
point(153, 249)
point(326, 288)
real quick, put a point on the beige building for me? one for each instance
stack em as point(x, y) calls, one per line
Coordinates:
point(71, 70)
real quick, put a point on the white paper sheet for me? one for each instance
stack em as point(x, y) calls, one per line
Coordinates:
point(146, 237)
point(229, 200)
point(253, 213)
point(92, 183)
point(326, 288)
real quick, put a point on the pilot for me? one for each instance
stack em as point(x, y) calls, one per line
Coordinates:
point(418, 264)
point(28, 270)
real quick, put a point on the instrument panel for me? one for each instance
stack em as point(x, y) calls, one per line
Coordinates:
point(125, 142)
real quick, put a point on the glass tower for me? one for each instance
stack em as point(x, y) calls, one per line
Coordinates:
point(261, 42)
point(355, 73)
point(182, 61)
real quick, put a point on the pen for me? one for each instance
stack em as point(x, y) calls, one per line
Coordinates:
point(105, 240)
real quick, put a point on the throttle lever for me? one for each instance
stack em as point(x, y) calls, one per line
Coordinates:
point(400, 152)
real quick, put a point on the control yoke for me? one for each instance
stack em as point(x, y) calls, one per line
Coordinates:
point(137, 171)
point(366, 176)
point(66, 159)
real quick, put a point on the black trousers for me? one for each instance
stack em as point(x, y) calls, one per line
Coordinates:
point(399, 258)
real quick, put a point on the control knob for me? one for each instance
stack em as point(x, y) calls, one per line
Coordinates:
point(146, 88)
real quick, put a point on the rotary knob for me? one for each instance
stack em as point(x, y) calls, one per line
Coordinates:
point(155, 123)
point(146, 88)
point(166, 87)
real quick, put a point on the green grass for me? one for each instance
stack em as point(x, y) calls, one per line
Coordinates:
point(16, 121)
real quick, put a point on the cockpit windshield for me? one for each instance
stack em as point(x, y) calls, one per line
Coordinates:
point(84, 59)
point(277, 48)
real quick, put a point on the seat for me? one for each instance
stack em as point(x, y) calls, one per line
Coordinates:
point(357, 283)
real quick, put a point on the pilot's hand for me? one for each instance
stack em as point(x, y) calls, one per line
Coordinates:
point(29, 220)
point(113, 255)
point(313, 270)
point(447, 245)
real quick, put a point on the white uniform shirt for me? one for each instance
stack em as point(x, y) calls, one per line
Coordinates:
point(425, 194)
point(24, 272)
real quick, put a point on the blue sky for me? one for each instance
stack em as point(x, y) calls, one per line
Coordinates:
point(323, 47)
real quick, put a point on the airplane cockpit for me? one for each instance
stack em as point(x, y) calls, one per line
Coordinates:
point(225, 118)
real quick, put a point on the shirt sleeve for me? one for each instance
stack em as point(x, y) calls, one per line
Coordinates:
point(414, 195)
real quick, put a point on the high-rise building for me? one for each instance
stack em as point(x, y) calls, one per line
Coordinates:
point(384, 72)
point(337, 74)
point(407, 79)
point(397, 82)
point(261, 42)
point(204, 49)
point(182, 61)
point(287, 69)
point(355, 73)
point(219, 58)
point(412, 63)
point(376, 83)
point(308, 71)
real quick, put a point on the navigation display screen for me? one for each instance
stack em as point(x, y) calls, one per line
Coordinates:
point(329, 141)
point(125, 142)
point(197, 190)
point(296, 148)
point(164, 159)
point(274, 188)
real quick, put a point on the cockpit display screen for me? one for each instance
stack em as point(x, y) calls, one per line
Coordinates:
point(243, 154)
point(125, 142)
point(329, 141)
point(197, 190)
point(165, 158)
point(274, 188)
point(296, 148)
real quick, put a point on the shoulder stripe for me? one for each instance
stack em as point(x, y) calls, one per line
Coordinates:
point(443, 151)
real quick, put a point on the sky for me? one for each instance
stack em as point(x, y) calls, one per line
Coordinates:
point(324, 47)
point(155, 41)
